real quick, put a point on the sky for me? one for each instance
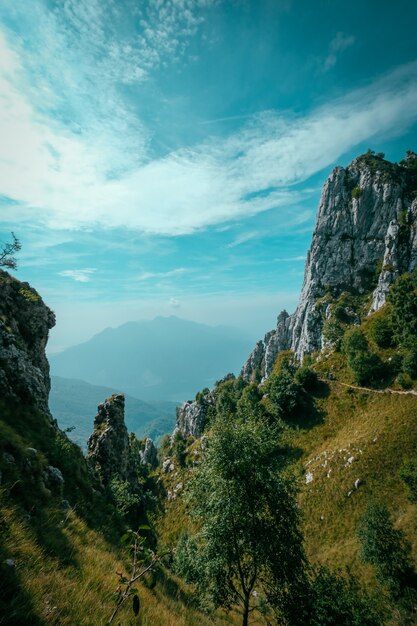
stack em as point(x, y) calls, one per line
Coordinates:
point(165, 157)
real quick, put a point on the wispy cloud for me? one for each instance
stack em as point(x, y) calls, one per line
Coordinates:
point(68, 178)
point(301, 257)
point(174, 303)
point(339, 43)
point(171, 273)
point(80, 276)
point(243, 238)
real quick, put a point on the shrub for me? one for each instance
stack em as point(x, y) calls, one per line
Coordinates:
point(356, 192)
point(408, 474)
point(179, 449)
point(307, 378)
point(338, 600)
point(380, 330)
point(284, 394)
point(404, 381)
point(366, 366)
point(409, 364)
point(403, 297)
point(386, 548)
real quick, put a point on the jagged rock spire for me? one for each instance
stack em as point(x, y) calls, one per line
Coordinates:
point(365, 236)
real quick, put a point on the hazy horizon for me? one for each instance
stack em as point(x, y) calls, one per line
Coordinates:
point(168, 156)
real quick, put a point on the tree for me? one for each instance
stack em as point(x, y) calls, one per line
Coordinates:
point(339, 600)
point(385, 547)
point(249, 547)
point(7, 251)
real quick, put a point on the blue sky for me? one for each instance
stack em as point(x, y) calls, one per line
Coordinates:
point(166, 156)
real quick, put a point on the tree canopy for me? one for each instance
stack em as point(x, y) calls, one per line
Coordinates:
point(249, 550)
point(7, 251)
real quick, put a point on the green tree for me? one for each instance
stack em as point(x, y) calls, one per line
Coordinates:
point(366, 366)
point(7, 251)
point(385, 547)
point(249, 549)
point(408, 475)
point(284, 394)
point(403, 297)
point(339, 600)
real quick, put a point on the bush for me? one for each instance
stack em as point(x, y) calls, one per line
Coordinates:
point(307, 378)
point(366, 366)
point(386, 548)
point(380, 330)
point(356, 192)
point(179, 449)
point(404, 381)
point(338, 600)
point(408, 474)
point(409, 364)
point(284, 394)
point(403, 297)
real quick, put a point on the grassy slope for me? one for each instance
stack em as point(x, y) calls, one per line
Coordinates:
point(77, 586)
point(380, 433)
point(65, 561)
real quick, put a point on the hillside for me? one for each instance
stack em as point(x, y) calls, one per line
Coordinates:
point(286, 496)
point(73, 403)
point(155, 360)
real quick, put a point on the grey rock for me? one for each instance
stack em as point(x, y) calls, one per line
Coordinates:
point(192, 415)
point(53, 477)
point(10, 563)
point(168, 466)
point(149, 456)
point(355, 236)
point(108, 446)
point(25, 322)
point(32, 452)
point(309, 477)
point(65, 505)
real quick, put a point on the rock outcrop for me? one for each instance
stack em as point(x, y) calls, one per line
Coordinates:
point(108, 446)
point(25, 322)
point(149, 455)
point(192, 416)
point(365, 236)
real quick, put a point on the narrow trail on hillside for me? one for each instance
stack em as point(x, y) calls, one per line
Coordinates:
point(409, 392)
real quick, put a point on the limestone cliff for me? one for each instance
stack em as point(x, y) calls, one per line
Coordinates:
point(111, 451)
point(108, 446)
point(365, 236)
point(25, 322)
point(193, 415)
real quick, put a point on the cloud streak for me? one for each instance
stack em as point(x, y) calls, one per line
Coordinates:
point(339, 43)
point(67, 178)
point(80, 276)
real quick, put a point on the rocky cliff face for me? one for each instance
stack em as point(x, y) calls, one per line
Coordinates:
point(108, 446)
point(111, 451)
point(365, 236)
point(192, 415)
point(25, 322)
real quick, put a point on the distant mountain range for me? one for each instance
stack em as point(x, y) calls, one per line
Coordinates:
point(167, 358)
point(74, 404)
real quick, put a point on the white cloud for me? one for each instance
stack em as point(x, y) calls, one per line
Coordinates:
point(339, 43)
point(68, 179)
point(80, 276)
point(151, 275)
point(301, 257)
point(174, 303)
point(243, 238)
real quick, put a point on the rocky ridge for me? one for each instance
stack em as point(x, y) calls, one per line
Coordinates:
point(25, 321)
point(365, 236)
